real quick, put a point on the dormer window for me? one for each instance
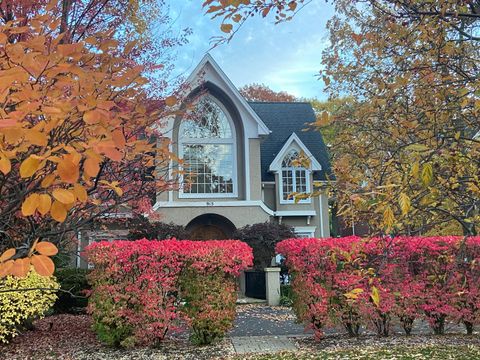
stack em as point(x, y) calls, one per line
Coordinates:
point(295, 179)
point(207, 145)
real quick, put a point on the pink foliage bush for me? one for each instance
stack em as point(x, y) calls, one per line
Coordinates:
point(137, 291)
point(355, 281)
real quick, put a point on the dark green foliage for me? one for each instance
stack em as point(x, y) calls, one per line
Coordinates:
point(142, 228)
point(75, 281)
point(286, 295)
point(263, 237)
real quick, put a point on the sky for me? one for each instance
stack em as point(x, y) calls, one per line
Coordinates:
point(286, 57)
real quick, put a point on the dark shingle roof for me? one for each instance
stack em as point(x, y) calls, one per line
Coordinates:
point(283, 119)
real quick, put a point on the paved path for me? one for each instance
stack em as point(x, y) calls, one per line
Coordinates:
point(263, 329)
point(262, 320)
point(262, 344)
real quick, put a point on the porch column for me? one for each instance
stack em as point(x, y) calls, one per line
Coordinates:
point(272, 285)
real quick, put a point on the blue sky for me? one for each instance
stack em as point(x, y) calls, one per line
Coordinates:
point(285, 56)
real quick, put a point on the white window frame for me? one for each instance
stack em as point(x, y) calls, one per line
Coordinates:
point(293, 169)
point(307, 231)
point(212, 141)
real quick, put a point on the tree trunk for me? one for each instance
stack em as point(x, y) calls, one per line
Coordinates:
point(407, 323)
point(438, 325)
point(469, 327)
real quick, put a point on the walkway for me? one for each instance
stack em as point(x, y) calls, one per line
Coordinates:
point(263, 329)
point(262, 320)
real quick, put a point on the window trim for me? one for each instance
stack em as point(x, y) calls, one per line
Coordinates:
point(214, 141)
point(309, 231)
point(293, 169)
point(294, 178)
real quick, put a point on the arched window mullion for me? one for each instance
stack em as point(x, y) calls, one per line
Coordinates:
point(207, 144)
point(293, 178)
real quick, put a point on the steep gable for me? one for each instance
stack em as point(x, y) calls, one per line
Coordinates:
point(208, 71)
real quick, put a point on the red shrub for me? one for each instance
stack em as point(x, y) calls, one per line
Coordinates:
point(356, 281)
point(136, 285)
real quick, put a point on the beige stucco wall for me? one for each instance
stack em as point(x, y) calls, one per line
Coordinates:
point(255, 170)
point(238, 215)
point(318, 204)
point(269, 195)
point(323, 199)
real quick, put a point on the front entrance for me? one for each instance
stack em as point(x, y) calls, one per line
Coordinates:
point(210, 227)
point(207, 232)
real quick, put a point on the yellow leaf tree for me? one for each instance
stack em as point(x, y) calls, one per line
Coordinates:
point(407, 158)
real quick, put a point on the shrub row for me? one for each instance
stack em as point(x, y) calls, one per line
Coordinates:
point(370, 282)
point(140, 289)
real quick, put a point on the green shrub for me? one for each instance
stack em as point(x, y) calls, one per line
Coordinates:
point(209, 304)
point(286, 295)
point(18, 308)
point(75, 281)
point(113, 330)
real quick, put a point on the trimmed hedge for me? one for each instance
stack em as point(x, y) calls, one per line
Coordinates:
point(140, 289)
point(371, 282)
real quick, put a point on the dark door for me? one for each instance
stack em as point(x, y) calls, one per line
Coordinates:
point(207, 232)
point(255, 284)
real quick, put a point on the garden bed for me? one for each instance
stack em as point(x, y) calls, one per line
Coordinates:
point(71, 337)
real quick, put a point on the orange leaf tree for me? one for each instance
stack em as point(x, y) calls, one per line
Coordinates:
point(261, 92)
point(77, 130)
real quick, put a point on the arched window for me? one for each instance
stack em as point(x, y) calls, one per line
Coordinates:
point(295, 179)
point(207, 145)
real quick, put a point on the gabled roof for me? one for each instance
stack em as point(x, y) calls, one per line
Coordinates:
point(284, 119)
point(294, 142)
point(195, 79)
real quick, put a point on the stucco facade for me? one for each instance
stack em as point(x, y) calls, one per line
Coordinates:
point(256, 195)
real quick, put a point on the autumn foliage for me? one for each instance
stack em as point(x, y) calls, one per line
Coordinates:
point(373, 282)
point(142, 289)
point(38, 257)
point(23, 300)
point(76, 130)
point(261, 92)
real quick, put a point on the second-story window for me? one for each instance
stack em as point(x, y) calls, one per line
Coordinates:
point(207, 145)
point(295, 179)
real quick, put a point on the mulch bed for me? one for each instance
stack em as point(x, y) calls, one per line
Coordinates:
point(71, 337)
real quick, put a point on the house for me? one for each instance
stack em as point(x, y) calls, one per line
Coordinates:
point(239, 162)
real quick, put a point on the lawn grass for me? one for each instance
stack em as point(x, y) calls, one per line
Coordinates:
point(460, 352)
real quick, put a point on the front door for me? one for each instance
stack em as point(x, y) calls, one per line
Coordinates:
point(207, 232)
